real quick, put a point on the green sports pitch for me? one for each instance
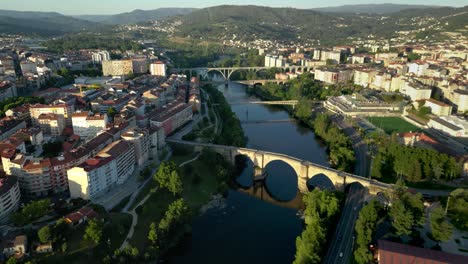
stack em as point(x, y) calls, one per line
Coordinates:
point(393, 124)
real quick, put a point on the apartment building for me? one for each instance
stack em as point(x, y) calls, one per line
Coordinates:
point(158, 69)
point(9, 197)
point(438, 108)
point(88, 125)
point(51, 124)
point(117, 67)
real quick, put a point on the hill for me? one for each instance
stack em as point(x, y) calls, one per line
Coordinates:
point(371, 8)
point(41, 23)
point(136, 16)
point(227, 23)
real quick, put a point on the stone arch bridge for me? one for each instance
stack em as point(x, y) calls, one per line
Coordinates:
point(305, 170)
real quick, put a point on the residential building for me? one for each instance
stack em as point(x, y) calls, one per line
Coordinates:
point(417, 91)
point(141, 140)
point(88, 125)
point(92, 178)
point(418, 68)
point(332, 56)
point(438, 108)
point(52, 124)
point(9, 197)
point(363, 77)
point(140, 64)
point(171, 116)
point(9, 126)
point(7, 90)
point(158, 69)
point(117, 67)
point(17, 246)
point(333, 75)
point(460, 100)
point(124, 154)
point(60, 109)
point(81, 216)
point(112, 166)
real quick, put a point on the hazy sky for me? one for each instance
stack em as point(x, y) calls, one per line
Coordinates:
point(75, 7)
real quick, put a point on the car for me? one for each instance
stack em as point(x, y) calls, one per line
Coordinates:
point(341, 254)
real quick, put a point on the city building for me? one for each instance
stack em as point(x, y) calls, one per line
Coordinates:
point(112, 166)
point(171, 116)
point(391, 252)
point(9, 126)
point(158, 69)
point(88, 125)
point(451, 125)
point(333, 75)
point(117, 67)
point(52, 124)
point(100, 56)
point(438, 108)
point(9, 197)
point(17, 246)
point(417, 91)
point(60, 109)
point(460, 100)
point(141, 140)
point(7, 90)
point(356, 104)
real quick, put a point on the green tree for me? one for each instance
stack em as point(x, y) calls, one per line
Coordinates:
point(152, 234)
point(64, 247)
point(94, 231)
point(163, 173)
point(402, 220)
point(44, 234)
point(366, 226)
point(174, 184)
point(441, 228)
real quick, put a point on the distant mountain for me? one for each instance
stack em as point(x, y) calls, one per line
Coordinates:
point(41, 23)
point(137, 16)
point(226, 23)
point(372, 8)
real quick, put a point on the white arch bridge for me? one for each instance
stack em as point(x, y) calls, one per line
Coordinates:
point(226, 72)
point(305, 170)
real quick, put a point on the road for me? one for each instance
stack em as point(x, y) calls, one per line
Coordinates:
point(359, 146)
point(343, 239)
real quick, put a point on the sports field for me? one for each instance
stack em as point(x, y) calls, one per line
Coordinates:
point(393, 124)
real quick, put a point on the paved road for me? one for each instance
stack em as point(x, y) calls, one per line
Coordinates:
point(341, 246)
point(359, 146)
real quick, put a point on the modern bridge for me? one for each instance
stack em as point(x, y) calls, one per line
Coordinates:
point(226, 72)
point(305, 170)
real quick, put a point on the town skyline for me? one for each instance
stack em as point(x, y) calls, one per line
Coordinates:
point(119, 6)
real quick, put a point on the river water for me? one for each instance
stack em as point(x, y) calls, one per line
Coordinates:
point(254, 229)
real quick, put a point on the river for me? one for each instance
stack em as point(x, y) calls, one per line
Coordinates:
point(249, 229)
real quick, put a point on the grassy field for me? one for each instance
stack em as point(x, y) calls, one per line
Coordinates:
point(196, 193)
point(393, 124)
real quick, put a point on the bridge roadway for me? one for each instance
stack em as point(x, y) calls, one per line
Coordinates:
point(305, 170)
point(226, 72)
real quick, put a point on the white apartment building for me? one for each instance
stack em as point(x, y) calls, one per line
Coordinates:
point(460, 100)
point(274, 61)
point(100, 56)
point(417, 92)
point(418, 68)
point(438, 108)
point(9, 197)
point(364, 77)
point(87, 126)
point(334, 56)
point(158, 69)
point(141, 141)
point(110, 167)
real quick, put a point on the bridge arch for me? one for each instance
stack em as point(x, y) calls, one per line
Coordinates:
point(281, 180)
point(217, 70)
point(321, 181)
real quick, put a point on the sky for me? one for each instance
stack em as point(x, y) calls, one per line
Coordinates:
point(101, 7)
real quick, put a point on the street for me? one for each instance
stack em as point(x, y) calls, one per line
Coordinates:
point(359, 146)
point(341, 246)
